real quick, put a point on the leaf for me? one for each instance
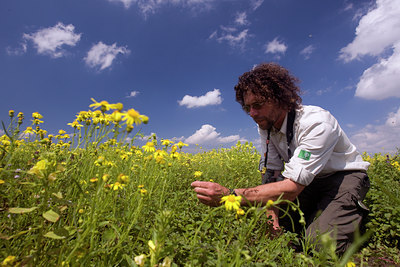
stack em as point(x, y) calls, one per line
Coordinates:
point(71, 230)
point(52, 235)
point(21, 210)
point(128, 259)
point(104, 223)
point(109, 235)
point(58, 195)
point(61, 232)
point(62, 208)
point(51, 216)
point(28, 183)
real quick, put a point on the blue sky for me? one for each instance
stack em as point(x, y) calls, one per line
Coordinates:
point(177, 62)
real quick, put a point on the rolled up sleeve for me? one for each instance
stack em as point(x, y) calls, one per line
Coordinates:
point(315, 146)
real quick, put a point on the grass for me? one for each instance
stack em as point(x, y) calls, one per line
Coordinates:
point(90, 199)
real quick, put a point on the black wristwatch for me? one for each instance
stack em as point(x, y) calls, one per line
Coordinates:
point(232, 192)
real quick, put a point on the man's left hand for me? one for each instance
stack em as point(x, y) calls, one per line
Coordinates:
point(209, 193)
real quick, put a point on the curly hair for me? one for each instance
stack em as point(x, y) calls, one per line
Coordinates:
point(270, 80)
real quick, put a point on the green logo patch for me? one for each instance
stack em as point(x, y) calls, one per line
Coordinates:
point(304, 155)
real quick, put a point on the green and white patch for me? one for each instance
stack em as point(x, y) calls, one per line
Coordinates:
point(304, 154)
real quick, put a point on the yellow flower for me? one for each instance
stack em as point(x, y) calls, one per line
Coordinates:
point(160, 159)
point(2, 181)
point(36, 121)
point(28, 130)
point(93, 180)
point(129, 128)
point(239, 212)
point(197, 174)
point(231, 202)
point(36, 115)
point(116, 116)
point(270, 203)
point(140, 186)
point(104, 106)
point(144, 119)
point(117, 186)
point(105, 177)
point(11, 113)
point(131, 117)
point(180, 144)
point(9, 261)
point(396, 165)
point(96, 114)
point(123, 178)
point(159, 153)
point(39, 168)
point(166, 142)
point(80, 211)
point(61, 132)
point(65, 136)
point(143, 191)
point(149, 147)
point(75, 124)
point(350, 264)
point(118, 106)
point(100, 160)
point(174, 155)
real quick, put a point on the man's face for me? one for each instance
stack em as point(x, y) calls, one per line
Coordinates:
point(265, 112)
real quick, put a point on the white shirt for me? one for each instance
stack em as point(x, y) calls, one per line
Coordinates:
point(319, 147)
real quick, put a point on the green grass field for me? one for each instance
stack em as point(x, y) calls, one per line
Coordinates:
point(91, 199)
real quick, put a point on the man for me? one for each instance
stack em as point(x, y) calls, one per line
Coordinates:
point(322, 167)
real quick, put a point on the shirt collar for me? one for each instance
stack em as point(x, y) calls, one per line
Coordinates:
point(283, 127)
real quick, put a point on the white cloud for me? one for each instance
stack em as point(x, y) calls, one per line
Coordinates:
point(376, 31)
point(210, 98)
point(393, 119)
point(348, 6)
point(228, 35)
point(379, 138)
point(381, 80)
point(49, 41)
point(18, 50)
point(207, 135)
point(275, 46)
point(256, 4)
point(151, 6)
point(126, 3)
point(378, 34)
point(323, 91)
point(307, 51)
point(241, 19)
point(102, 55)
point(133, 94)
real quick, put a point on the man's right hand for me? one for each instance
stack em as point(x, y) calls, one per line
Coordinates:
point(209, 193)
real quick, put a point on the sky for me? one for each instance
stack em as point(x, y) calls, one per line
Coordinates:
point(177, 62)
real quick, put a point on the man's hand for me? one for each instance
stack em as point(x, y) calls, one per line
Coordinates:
point(209, 193)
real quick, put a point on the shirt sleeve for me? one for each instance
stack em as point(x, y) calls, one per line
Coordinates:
point(316, 143)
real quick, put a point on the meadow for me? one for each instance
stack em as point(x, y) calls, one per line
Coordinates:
point(91, 198)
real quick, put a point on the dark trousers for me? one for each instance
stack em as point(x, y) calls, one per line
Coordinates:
point(332, 204)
